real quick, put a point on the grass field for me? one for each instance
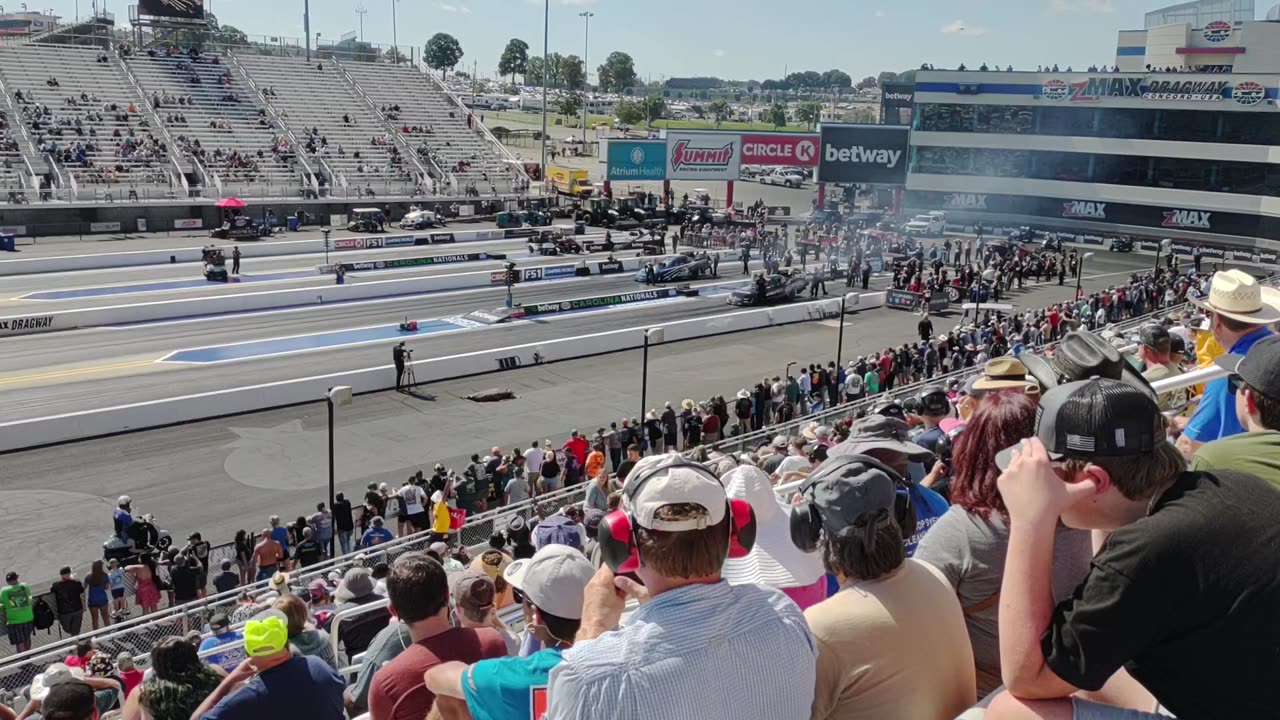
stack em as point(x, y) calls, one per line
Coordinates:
point(727, 125)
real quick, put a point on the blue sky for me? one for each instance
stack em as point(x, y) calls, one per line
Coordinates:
point(737, 39)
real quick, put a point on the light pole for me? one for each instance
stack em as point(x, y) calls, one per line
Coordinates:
point(652, 336)
point(361, 11)
point(844, 300)
point(586, 73)
point(337, 395)
point(1080, 273)
point(395, 42)
point(546, 42)
point(326, 232)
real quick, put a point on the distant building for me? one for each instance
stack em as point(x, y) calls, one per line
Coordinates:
point(1216, 46)
point(1201, 12)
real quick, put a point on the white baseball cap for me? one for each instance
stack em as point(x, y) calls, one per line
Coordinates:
point(553, 579)
point(671, 480)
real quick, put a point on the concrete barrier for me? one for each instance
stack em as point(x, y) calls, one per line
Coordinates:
point(158, 413)
point(34, 322)
point(249, 249)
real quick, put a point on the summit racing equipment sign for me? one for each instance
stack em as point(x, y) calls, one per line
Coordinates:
point(703, 156)
point(864, 154)
point(599, 302)
point(780, 149)
point(1186, 90)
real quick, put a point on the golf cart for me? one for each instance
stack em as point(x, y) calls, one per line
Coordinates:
point(367, 220)
point(215, 264)
point(419, 219)
point(507, 220)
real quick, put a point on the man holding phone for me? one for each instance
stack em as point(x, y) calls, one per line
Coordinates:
point(1181, 596)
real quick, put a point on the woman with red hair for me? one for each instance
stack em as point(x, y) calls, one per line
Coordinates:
point(969, 542)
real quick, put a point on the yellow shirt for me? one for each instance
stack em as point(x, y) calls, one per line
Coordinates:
point(440, 518)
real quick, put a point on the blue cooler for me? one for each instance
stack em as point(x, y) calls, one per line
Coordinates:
point(8, 243)
point(580, 227)
point(292, 223)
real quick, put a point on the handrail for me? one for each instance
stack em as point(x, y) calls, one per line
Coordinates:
point(401, 141)
point(284, 126)
point(155, 118)
point(13, 113)
point(500, 149)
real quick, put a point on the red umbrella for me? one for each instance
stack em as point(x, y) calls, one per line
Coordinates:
point(231, 203)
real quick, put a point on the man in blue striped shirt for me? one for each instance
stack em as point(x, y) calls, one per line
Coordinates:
point(696, 646)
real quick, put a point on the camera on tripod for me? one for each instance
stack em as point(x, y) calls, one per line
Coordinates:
point(408, 353)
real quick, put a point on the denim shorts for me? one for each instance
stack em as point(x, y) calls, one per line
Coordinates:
point(1086, 710)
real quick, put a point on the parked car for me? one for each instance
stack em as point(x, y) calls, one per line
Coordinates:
point(783, 177)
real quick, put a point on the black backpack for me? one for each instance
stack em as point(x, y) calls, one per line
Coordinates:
point(43, 614)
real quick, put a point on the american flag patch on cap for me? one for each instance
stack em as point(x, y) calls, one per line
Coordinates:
point(1080, 443)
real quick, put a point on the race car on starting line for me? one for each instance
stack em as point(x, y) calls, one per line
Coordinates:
point(677, 267)
point(553, 242)
point(634, 240)
point(784, 286)
point(420, 220)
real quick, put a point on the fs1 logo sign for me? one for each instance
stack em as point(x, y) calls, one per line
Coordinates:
point(1086, 210)
point(1092, 89)
point(1194, 219)
point(703, 156)
point(874, 154)
point(1248, 93)
point(964, 201)
point(1217, 31)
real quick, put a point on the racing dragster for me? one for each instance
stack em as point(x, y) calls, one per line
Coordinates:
point(553, 242)
point(783, 286)
point(633, 240)
point(687, 266)
point(240, 227)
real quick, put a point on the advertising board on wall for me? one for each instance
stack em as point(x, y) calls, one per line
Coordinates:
point(798, 149)
point(896, 102)
point(864, 154)
point(172, 9)
point(636, 160)
point(703, 156)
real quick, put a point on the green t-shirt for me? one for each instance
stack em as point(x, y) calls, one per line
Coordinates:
point(872, 381)
point(1256, 453)
point(16, 602)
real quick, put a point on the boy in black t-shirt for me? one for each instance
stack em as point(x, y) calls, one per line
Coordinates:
point(1182, 595)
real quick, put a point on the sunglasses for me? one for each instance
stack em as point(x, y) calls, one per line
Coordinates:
point(1234, 383)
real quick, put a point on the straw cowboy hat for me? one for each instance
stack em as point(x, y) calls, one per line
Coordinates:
point(1236, 294)
point(687, 404)
point(1000, 373)
point(743, 394)
point(774, 560)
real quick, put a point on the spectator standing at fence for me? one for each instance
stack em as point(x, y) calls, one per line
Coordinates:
point(226, 580)
point(280, 534)
point(376, 534)
point(96, 584)
point(342, 522)
point(267, 556)
point(115, 574)
point(244, 556)
point(693, 629)
point(321, 522)
point(419, 595)
point(68, 597)
point(1256, 382)
point(552, 584)
point(18, 612)
point(273, 682)
point(1239, 312)
point(146, 583)
point(533, 463)
point(1198, 633)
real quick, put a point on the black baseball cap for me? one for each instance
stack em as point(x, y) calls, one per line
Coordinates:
point(1156, 337)
point(1260, 368)
point(933, 400)
point(845, 488)
point(68, 701)
point(1099, 417)
point(11, 576)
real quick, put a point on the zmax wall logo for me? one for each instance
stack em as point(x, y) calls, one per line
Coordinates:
point(1087, 210)
point(1194, 219)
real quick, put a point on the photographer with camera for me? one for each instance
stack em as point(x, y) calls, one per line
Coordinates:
point(400, 355)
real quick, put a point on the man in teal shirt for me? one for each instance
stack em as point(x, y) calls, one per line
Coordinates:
point(552, 583)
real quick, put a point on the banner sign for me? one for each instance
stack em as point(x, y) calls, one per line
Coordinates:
point(397, 241)
point(499, 277)
point(559, 271)
point(418, 261)
point(611, 267)
point(489, 318)
point(531, 274)
point(601, 301)
point(440, 238)
point(173, 9)
point(24, 325)
point(349, 244)
point(104, 227)
point(636, 160)
point(798, 149)
point(703, 156)
point(939, 301)
point(191, 224)
point(516, 233)
point(864, 154)
point(902, 299)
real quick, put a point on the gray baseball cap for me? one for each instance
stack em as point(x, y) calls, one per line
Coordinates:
point(848, 487)
point(1099, 417)
point(879, 432)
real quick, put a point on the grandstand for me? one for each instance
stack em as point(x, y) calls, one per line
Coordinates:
point(220, 123)
point(335, 124)
point(467, 155)
point(92, 131)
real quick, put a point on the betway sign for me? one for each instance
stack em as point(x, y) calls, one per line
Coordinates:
point(864, 154)
point(796, 149)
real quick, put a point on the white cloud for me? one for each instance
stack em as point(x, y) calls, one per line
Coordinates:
point(1096, 7)
point(958, 27)
point(460, 9)
point(718, 52)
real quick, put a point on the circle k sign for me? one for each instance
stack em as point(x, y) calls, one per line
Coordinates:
point(780, 149)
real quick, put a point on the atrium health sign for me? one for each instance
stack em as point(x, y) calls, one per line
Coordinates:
point(636, 160)
point(703, 156)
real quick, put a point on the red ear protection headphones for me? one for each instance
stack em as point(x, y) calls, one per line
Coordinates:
point(616, 534)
